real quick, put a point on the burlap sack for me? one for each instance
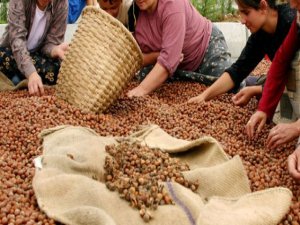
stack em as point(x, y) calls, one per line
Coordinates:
point(7, 85)
point(70, 188)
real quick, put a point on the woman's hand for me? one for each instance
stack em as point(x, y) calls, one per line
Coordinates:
point(282, 133)
point(197, 99)
point(137, 92)
point(243, 96)
point(60, 50)
point(294, 164)
point(35, 84)
point(258, 119)
point(157, 76)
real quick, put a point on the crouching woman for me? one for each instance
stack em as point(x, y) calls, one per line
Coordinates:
point(32, 44)
point(173, 35)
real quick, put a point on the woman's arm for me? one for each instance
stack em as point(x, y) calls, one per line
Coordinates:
point(221, 86)
point(277, 75)
point(57, 29)
point(275, 83)
point(150, 58)
point(157, 76)
point(249, 58)
point(17, 33)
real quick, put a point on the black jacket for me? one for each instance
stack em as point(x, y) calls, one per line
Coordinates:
point(260, 44)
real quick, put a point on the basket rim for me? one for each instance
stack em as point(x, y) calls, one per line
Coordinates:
point(121, 25)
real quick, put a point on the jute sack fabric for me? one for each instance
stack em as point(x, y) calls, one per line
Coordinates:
point(70, 185)
point(7, 85)
point(102, 58)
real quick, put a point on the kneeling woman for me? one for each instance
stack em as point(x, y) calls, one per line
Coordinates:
point(173, 35)
point(32, 43)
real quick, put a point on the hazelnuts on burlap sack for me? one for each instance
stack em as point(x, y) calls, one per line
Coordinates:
point(71, 190)
point(102, 58)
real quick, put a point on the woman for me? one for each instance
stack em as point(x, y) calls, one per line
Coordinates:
point(117, 8)
point(269, 24)
point(274, 87)
point(277, 78)
point(173, 35)
point(32, 43)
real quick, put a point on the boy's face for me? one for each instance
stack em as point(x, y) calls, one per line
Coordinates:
point(112, 9)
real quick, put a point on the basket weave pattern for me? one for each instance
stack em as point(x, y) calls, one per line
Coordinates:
point(102, 58)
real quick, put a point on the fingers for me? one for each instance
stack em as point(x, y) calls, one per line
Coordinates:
point(237, 96)
point(36, 89)
point(65, 46)
point(271, 134)
point(273, 139)
point(260, 126)
point(130, 94)
point(196, 99)
point(294, 167)
point(41, 89)
point(292, 164)
point(250, 128)
point(134, 93)
point(239, 101)
point(258, 118)
point(35, 85)
point(32, 89)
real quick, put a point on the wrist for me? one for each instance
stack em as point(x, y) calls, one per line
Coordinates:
point(32, 75)
point(258, 90)
point(53, 53)
point(143, 89)
point(206, 95)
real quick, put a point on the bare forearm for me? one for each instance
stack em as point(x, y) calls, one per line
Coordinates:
point(221, 86)
point(157, 76)
point(257, 90)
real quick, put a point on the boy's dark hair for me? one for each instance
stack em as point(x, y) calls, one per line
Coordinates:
point(133, 14)
point(256, 3)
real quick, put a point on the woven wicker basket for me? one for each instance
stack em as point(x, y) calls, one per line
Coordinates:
point(102, 58)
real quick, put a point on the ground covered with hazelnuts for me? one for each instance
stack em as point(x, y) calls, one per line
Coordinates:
point(23, 117)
